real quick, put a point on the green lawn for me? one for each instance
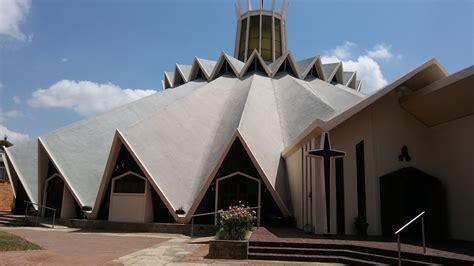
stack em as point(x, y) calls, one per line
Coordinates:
point(9, 242)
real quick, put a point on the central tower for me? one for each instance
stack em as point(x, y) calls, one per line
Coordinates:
point(261, 29)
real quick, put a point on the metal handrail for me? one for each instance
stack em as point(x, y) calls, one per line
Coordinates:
point(39, 208)
point(213, 213)
point(397, 233)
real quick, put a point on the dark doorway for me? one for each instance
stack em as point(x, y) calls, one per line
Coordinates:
point(237, 160)
point(21, 196)
point(407, 192)
point(237, 189)
point(54, 196)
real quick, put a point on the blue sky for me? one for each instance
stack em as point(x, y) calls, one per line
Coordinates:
point(62, 61)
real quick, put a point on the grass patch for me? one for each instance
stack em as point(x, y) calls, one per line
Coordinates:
point(9, 242)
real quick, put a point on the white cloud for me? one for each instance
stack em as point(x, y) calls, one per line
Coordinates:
point(16, 99)
point(64, 60)
point(367, 67)
point(380, 51)
point(85, 97)
point(1, 85)
point(12, 13)
point(343, 51)
point(368, 71)
point(10, 114)
point(13, 137)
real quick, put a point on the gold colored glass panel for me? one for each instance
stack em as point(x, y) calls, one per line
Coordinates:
point(266, 27)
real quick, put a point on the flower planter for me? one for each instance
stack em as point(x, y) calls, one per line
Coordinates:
point(228, 249)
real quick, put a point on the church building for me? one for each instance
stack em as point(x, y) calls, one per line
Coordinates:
point(295, 138)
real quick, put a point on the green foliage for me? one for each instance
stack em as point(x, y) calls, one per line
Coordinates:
point(9, 242)
point(235, 222)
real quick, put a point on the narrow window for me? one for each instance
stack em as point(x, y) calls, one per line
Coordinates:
point(340, 213)
point(360, 163)
point(278, 51)
point(267, 38)
point(254, 32)
point(243, 37)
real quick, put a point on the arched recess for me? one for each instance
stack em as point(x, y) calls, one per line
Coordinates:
point(238, 161)
point(123, 164)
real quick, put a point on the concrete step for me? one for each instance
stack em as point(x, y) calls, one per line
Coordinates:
point(336, 253)
point(310, 258)
point(379, 255)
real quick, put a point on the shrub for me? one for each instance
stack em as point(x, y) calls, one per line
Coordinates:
point(235, 222)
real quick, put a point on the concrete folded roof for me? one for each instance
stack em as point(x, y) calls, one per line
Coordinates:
point(180, 134)
point(181, 145)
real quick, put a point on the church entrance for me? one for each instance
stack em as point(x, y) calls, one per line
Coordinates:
point(238, 188)
point(54, 195)
point(407, 192)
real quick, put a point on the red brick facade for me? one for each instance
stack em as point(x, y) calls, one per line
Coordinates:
point(6, 196)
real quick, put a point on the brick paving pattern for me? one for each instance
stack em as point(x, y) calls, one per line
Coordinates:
point(66, 247)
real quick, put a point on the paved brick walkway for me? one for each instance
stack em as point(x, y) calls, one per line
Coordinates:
point(73, 247)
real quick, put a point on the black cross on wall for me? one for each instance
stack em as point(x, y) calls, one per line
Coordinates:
point(327, 153)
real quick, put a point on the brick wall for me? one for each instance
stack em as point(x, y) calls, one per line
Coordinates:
point(6, 196)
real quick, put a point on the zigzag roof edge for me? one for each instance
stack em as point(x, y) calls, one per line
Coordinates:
point(329, 70)
point(210, 69)
point(206, 65)
point(220, 62)
point(185, 71)
point(169, 77)
point(236, 62)
point(195, 67)
point(308, 67)
point(291, 60)
point(178, 74)
point(255, 55)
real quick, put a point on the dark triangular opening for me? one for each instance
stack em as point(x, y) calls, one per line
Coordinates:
point(256, 66)
point(286, 67)
point(125, 163)
point(54, 193)
point(179, 80)
point(334, 80)
point(225, 69)
point(237, 160)
point(313, 74)
point(167, 84)
point(21, 197)
point(51, 169)
point(200, 74)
